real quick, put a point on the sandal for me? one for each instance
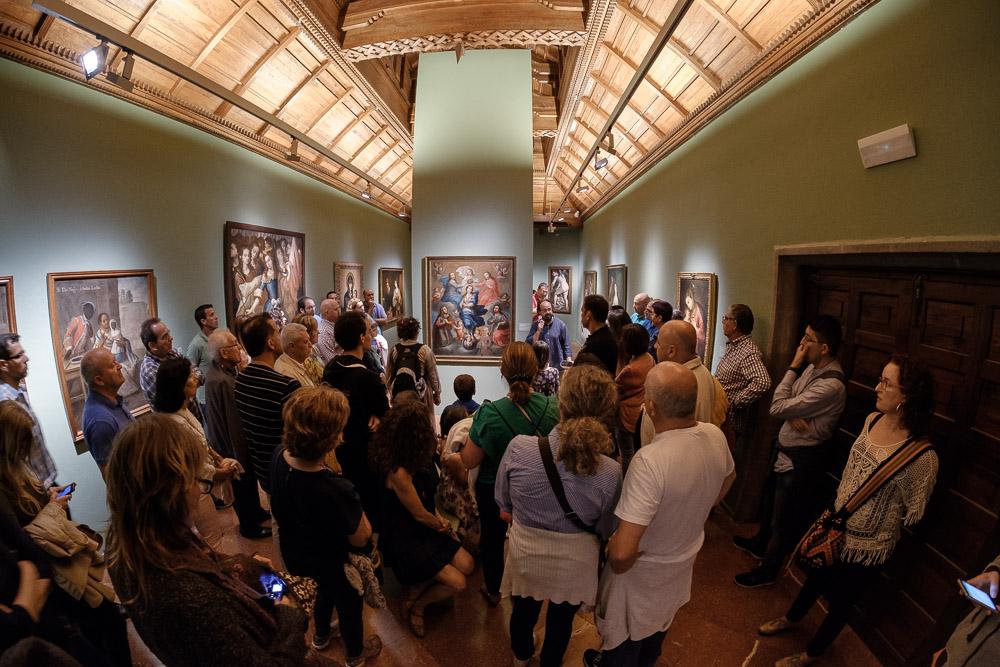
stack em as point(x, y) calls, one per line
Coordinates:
point(492, 599)
point(415, 619)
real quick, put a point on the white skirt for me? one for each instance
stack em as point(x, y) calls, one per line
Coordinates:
point(546, 565)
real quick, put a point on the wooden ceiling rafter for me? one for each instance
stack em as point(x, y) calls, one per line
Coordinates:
point(41, 29)
point(216, 38)
point(332, 144)
point(648, 79)
point(248, 78)
point(141, 24)
point(634, 140)
point(328, 109)
point(315, 74)
point(723, 17)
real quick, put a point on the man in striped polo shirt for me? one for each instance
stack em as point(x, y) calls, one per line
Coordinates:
point(261, 393)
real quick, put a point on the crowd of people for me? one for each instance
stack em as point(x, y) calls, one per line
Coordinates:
point(587, 485)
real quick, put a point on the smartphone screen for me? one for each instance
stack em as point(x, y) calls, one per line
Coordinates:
point(274, 586)
point(70, 488)
point(981, 597)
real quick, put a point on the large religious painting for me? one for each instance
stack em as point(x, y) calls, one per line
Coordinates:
point(469, 307)
point(99, 309)
point(589, 283)
point(391, 293)
point(696, 293)
point(617, 285)
point(347, 279)
point(264, 271)
point(561, 289)
point(8, 323)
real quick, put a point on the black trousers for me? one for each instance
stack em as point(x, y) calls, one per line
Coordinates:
point(493, 532)
point(246, 500)
point(558, 628)
point(791, 502)
point(841, 585)
point(332, 591)
point(635, 653)
point(353, 460)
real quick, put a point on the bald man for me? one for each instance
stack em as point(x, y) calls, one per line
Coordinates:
point(678, 342)
point(671, 486)
point(104, 412)
point(326, 346)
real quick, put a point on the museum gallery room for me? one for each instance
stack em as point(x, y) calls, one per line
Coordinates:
point(499, 332)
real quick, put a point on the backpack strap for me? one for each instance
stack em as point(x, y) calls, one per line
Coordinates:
point(557, 487)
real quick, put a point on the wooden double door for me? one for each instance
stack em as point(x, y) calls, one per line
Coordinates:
point(952, 323)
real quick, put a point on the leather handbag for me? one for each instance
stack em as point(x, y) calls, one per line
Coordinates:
point(823, 544)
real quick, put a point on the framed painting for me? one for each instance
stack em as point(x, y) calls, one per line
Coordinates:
point(8, 323)
point(94, 309)
point(589, 283)
point(347, 281)
point(392, 293)
point(617, 285)
point(264, 271)
point(561, 288)
point(469, 307)
point(696, 295)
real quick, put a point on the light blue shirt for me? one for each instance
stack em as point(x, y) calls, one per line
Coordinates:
point(39, 459)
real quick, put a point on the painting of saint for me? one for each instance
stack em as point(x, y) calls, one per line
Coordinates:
point(8, 323)
point(472, 305)
point(617, 284)
point(560, 289)
point(347, 281)
point(391, 293)
point(696, 293)
point(99, 309)
point(264, 270)
point(589, 283)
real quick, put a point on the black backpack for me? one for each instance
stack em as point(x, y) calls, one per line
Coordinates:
point(408, 365)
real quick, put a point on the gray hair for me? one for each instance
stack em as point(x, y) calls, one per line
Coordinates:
point(290, 331)
point(219, 339)
point(672, 389)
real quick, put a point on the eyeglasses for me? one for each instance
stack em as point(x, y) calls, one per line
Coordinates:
point(884, 382)
point(206, 486)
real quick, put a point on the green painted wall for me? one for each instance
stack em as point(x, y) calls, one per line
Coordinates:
point(560, 249)
point(782, 166)
point(472, 153)
point(90, 182)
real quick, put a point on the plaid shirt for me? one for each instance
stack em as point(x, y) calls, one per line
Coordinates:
point(39, 459)
point(742, 374)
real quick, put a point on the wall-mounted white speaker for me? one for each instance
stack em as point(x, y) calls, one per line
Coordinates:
point(888, 146)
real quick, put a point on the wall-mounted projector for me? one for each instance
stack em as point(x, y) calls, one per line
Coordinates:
point(888, 146)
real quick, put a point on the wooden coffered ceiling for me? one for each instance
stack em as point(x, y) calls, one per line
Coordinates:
point(327, 86)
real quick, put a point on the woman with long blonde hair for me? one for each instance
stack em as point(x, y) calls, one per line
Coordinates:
point(522, 411)
point(185, 599)
point(551, 557)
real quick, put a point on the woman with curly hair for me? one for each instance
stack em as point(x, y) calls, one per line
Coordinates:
point(415, 540)
point(523, 411)
point(904, 405)
point(551, 557)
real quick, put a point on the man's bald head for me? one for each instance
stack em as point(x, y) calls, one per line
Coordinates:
point(329, 310)
point(678, 340)
point(640, 302)
point(94, 363)
point(671, 392)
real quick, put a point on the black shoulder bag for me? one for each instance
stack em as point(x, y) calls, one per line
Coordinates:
point(557, 487)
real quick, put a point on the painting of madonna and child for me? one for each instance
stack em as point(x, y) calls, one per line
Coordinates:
point(469, 304)
point(264, 271)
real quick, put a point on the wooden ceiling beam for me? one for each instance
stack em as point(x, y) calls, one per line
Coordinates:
point(147, 16)
point(723, 17)
point(364, 146)
point(673, 44)
point(385, 151)
point(219, 35)
point(248, 78)
point(395, 163)
point(600, 140)
point(657, 88)
point(596, 108)
point(298, 89)
point(42, 28)
point(332, 144)
point(329, 108)
point(647, 121)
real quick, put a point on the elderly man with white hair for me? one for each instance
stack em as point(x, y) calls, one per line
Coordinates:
point(224, 430)
point(297, 348)
point(326, 346)
point(671, 486)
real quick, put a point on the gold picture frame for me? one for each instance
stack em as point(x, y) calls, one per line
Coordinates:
point(703, 289)
point(8, 320)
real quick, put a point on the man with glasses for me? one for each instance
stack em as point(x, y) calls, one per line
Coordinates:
point(13, 370)
point(224, 430)
point(810, 398)
point(741, 371)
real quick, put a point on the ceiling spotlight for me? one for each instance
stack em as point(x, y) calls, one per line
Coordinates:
point(293, 152)
point(583, 187)
point(367, 194)
point(403, 214)
point(576, 215)
point(93, 60)
point(599, 162)
point(124, 80)
point(560, 219)
point(567, 210)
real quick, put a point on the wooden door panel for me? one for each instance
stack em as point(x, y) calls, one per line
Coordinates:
point(949, 325)
point(955, 527)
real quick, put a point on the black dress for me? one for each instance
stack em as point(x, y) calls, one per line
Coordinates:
point(414, 551)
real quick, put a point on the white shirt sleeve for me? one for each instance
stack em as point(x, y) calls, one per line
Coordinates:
point(641, 493)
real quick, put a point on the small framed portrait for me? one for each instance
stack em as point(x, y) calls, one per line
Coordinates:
point(347, 280)
point(392, 293)
point(469, 307)
point(8, 323)
point(95, 309)
point(617, 285)
point(561, 289)
point(696, 295)
point(264, 271)
point(589, 283)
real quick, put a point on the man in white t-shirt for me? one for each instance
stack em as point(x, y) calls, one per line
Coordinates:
point(671, 486)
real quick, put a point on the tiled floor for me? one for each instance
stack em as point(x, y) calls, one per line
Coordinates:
point(717, 627)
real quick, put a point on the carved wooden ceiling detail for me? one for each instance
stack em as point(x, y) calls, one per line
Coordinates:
point(343, 73)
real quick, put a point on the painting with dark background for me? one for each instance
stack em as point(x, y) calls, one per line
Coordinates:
point(392, 293)
point(468, 307)
point(696, 301)
point(618, 285)
point(8, 323)
point(589, 283)
point(347, 281)
point(264, 271)
point(98, 309)
point(561, 288)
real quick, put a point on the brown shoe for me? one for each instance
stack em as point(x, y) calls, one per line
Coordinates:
point(775, 627)
point(373, 646)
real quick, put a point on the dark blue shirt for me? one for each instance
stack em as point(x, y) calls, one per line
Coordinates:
point(556, 336)
point(469, 405)
point(102, 420)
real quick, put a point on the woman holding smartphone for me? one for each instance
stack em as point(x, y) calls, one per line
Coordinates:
point(976, 640)
point(904, 405)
